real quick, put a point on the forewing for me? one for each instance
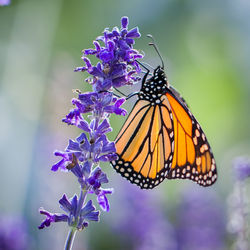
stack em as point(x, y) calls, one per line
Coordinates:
point(145, 144)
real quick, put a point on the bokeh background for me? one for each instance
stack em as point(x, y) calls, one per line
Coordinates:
point(205, 46)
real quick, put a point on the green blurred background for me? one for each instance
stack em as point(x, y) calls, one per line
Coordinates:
point(205, 46)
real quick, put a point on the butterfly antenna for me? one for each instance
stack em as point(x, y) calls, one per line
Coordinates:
point(156, 48)
point(144, 64)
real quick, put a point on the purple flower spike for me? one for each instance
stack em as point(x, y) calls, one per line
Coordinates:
point(242, 168)
point(4, 2)
point(118, 48)
point(116, 67)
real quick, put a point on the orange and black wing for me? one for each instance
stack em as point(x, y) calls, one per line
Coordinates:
point(145, 144)
point(193, 158)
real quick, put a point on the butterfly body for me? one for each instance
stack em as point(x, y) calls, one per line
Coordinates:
point(161, 139)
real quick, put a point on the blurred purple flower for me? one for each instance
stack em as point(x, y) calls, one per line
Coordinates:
point(238, 202)
point(13, 233)
point(142, 222)
point(4, 2)
point(242, 167)
point(201, 221)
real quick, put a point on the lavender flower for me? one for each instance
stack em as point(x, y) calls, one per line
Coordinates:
point(142, 222)
point(13, 233)
point(201, 221)
point(115, 56)
point(238, 203)
point(4, 2)
point(242, 168)
point(117, 67)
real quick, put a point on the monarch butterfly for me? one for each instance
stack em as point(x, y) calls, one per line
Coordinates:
point(161, 139)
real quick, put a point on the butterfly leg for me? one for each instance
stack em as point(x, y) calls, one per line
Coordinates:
point(147, 71)
point(144, 72)
point(119, 92)
point(106, 91)
point(127, 96)
point(143, 65)
point(131, 95)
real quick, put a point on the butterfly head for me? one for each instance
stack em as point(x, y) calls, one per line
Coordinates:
point(159, 71)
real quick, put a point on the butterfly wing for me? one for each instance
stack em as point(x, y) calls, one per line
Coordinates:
point(193, 158)
point(145, 144)
point(178, 96)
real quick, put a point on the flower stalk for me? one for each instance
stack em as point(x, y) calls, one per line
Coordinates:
point(70, 239)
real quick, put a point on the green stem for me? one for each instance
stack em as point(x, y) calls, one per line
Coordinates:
point(71, 236)
point(70, 239)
